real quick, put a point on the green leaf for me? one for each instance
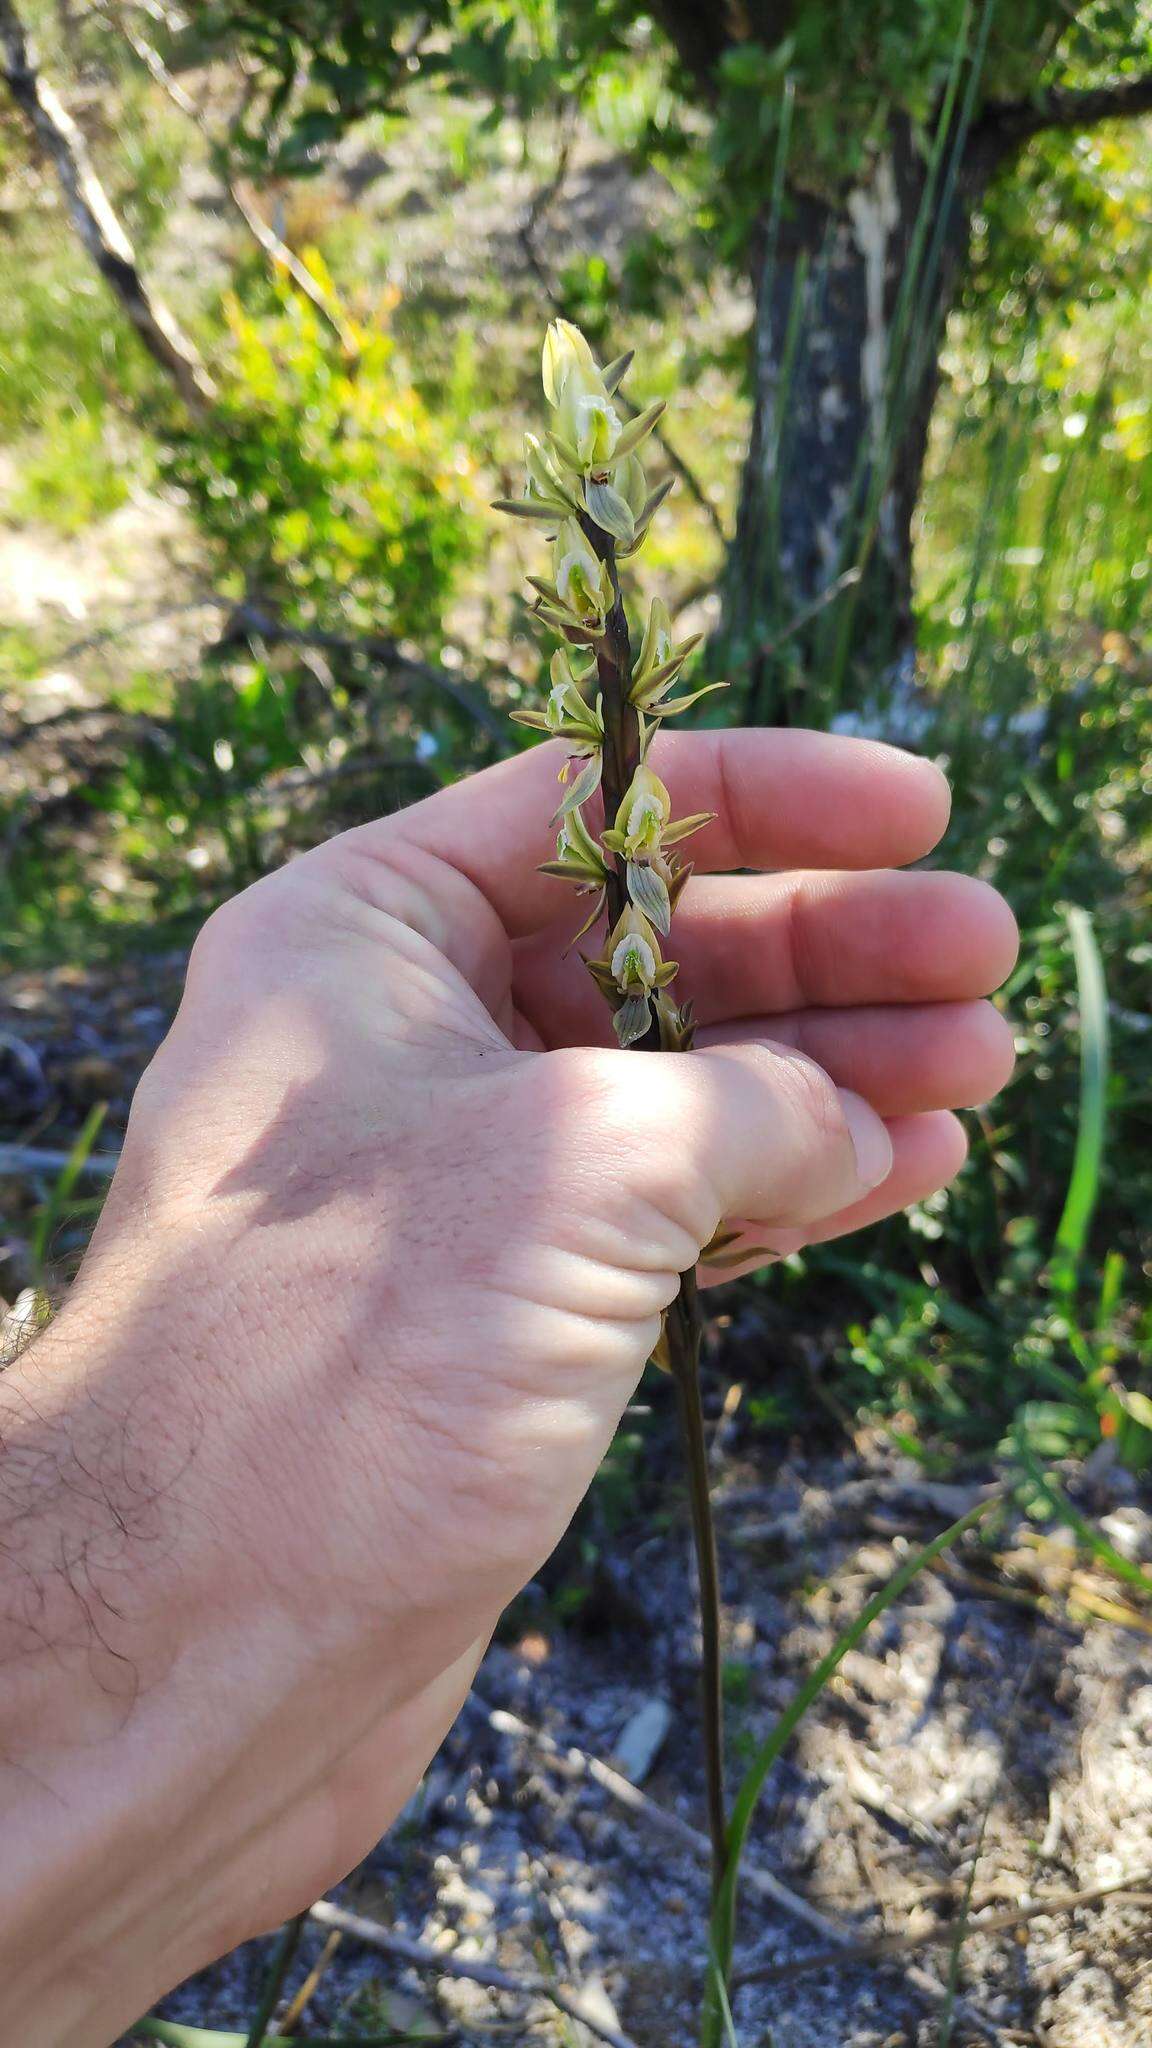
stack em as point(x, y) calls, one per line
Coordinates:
point(69, 1174)
point(172, 2035)
point(1104, 1552)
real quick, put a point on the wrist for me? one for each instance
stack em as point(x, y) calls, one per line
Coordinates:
point(95, 1631)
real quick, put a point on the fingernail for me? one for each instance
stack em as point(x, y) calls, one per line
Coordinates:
point(870, 1140)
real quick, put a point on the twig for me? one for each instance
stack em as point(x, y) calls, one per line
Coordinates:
point(95, 220)
point(137, 623)
point(248, 620)
point(810, 611)
point(571, 1762)
point(302, 1998)
point(941, 1933)
point(819, 1510)
point(17, 1159)
point(421, 1957)
point(277, 251)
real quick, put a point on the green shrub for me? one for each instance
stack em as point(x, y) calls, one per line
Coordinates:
point(324, 486)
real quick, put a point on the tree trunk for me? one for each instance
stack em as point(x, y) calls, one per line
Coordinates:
point(850, 308)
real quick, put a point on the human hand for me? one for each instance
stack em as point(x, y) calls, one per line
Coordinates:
point(383, 1262)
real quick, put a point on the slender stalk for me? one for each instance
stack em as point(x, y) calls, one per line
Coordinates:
point(683, 1324)
point(684, 1334)
point(278, 1969)
point(621, 750)
point(584, 472)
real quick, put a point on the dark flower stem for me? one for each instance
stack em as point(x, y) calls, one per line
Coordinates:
point(683, 1325)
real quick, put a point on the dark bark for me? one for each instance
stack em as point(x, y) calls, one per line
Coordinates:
point(850, 308)
point(1006, 124)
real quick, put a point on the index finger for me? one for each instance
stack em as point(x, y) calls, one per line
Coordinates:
point(783, 799)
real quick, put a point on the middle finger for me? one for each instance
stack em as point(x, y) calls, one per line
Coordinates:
point(765, 944)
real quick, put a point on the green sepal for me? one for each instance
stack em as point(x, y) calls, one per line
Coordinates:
point(609, 511)
point(639, 429)
point(604, 978)
point(649, 892)
point(569, 456)
point(633, 1020)
point(585, 785)
point(646, 515)
point(616, 371)
point(588, 923)
point(682, 828)
point(678, 704)
point(528, 508)
point(646, 686)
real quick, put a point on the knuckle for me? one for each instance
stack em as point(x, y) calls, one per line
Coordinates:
point(811, 1095)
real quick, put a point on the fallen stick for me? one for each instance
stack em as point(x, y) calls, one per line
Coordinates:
point(421, 1957)
point(577, 1763)
point(943, 1933)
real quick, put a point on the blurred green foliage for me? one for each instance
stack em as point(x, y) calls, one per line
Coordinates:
point(323, 485)
point(343, 490)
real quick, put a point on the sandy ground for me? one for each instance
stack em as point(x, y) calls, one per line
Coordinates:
point(972, 1738)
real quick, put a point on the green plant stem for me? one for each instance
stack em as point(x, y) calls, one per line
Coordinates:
point(278, 1970)
point(683, 1324)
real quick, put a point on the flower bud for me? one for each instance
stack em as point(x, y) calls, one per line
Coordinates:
point(566, 353)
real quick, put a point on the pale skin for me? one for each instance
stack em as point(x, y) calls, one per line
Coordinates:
point(380, 1270)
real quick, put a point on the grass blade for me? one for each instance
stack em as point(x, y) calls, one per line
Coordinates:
point(724, 1923)
point(1084, 1185)
point(282, 1960)
point(1104, 1552)
point(172, 2035)
point(66, 1180)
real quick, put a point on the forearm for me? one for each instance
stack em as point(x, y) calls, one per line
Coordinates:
point(163, 1725)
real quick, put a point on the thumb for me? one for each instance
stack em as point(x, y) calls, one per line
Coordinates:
point(752, 1130)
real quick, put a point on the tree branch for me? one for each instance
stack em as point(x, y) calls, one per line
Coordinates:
point(1005, 125)
point(95, 219)
point(277, 251)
